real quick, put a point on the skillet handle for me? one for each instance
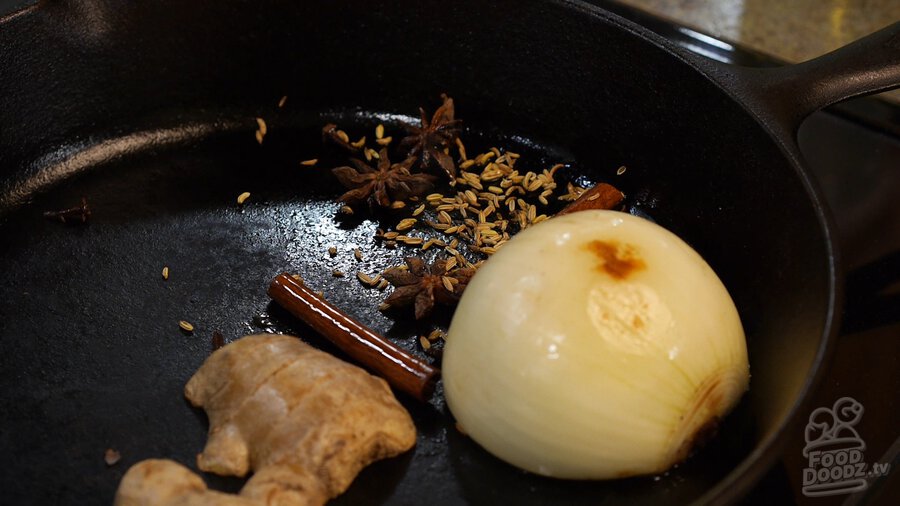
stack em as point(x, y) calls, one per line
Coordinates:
point(791, 93)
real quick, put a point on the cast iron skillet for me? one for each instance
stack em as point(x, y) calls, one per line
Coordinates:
point(147, 110)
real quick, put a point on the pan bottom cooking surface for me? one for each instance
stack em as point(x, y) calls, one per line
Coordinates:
point(93, 357)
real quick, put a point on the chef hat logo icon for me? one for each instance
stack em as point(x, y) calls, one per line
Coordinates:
point(832, 429)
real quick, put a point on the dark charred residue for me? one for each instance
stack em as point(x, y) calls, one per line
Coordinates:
point(218, 340)
point(704, 434)
point(72, 216)
point(710, 400)
point(616, 260)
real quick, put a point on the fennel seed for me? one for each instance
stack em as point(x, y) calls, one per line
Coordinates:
point(405, 224)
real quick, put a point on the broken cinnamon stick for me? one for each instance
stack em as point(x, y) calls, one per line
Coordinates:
point(401, 370)
point(601, 196)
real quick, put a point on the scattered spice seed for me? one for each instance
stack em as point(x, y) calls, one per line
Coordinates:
point(186, 326)
point(259, 137)
point(360, 143)
point(462, 149)
point(486, 187)
point(243, 198)
point(282, 101)
point(336, 273)
point(332, 251)
point(310, 162)
point(406, 224)
point(330, 132)
point(346, 210)
point(165, 272)
point(366, 279)
point(358, 254)
point(621, 170)
point(218, 340)
point(448, 284)
point(111, 457)
point(426, 344)
point(384, 306)
point(383, 284)
point(262, 126)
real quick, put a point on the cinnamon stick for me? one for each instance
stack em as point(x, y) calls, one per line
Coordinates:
point(601, 196)
point(401, 370)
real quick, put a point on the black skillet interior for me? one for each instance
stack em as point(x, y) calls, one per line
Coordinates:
point(92, 356)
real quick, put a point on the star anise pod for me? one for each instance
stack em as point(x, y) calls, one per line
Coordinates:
point(428, 141)
point(423, 287)
point(381, 186)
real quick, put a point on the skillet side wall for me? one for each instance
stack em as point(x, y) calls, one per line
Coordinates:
point(73, 73)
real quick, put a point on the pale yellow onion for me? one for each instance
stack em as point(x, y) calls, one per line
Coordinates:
point(560, 368)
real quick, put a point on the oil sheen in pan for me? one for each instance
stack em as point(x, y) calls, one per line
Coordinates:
point(104, 362)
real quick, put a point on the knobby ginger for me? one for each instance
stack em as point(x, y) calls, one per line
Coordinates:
point(304, 422)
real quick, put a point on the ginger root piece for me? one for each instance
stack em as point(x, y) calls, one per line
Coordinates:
point(157, 482)
point(303, 421)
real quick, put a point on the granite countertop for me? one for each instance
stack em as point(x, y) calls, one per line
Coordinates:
point(792, 31)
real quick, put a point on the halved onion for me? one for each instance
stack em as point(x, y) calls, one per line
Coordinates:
point(594, 345)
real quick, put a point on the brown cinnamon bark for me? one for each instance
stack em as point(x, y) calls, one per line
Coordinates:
point(601, 196)
point(401, 370)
